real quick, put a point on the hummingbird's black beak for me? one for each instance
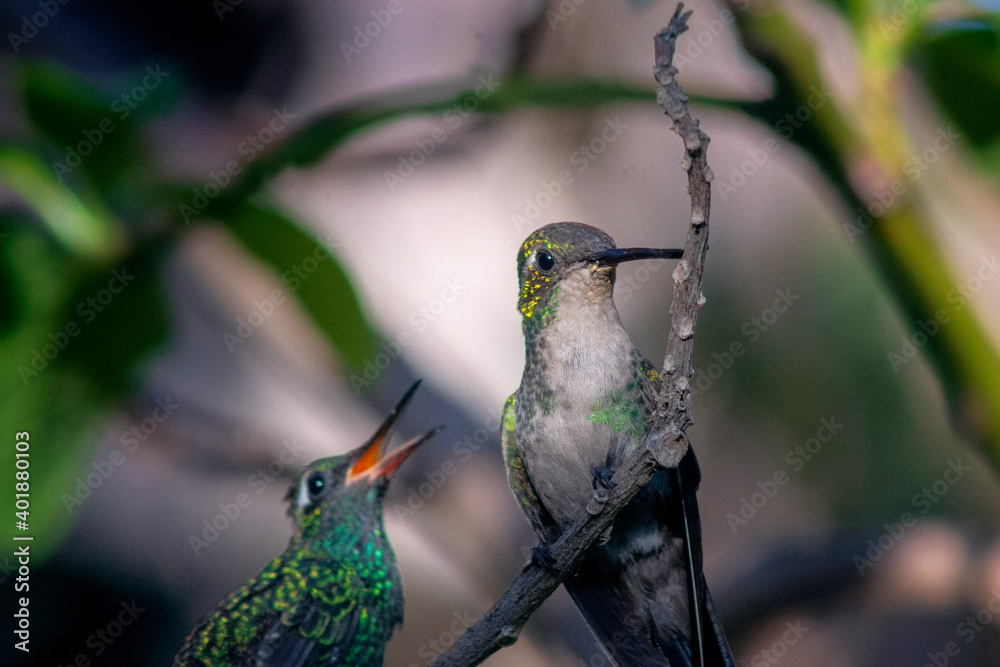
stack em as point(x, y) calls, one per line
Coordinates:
point(371, 459)
point(615, 256)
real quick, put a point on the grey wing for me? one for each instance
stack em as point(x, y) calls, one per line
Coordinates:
point(517, 476)
point(282, 646)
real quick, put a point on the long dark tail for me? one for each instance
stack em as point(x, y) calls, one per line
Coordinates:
point(637, 611)
point(626, 638)
point(632, 641)
point(707, 635)
point(697, 589)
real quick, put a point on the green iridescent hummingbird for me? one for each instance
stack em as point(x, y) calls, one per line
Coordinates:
point(584, 402)
point(334, 596)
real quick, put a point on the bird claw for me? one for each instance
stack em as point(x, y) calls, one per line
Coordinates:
point(603, 477)
point(540, 556)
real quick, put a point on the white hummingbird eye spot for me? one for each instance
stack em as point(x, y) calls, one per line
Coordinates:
point(312, 488)
point(302, 499)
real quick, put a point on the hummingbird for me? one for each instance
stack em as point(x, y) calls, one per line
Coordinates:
point(584, 402)
point(334, 597)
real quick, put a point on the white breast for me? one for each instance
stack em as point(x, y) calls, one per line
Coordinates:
point(589, 356)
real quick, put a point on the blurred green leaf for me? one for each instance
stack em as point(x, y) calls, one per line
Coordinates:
point(88, 130)
point(842, 6)
point(85, 228)
point(11, 304)
point(62, 365)
point(37, 393)
point(961, 64)
point(122, 315)
point(60, 410)
point(856, 12)
point(309, 271)
point(493, 94)
point(60, 102)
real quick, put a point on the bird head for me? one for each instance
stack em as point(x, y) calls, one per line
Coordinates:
point(561, 251)
point(344, 494)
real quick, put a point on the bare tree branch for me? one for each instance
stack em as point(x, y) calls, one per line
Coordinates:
point(672, 414)
point(666, 443)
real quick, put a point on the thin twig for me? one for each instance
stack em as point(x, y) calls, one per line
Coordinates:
point(672, 413)
point(666, 443)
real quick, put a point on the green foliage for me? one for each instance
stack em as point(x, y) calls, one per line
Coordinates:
point(308, 270)
point(855, 11)
point(317, 137)
point(12, 308)
point(71, 114)
point(115, 336)
point(960, 62)
point(78, 220)
point(42, 394)
point(64, 360)
point(898, 237)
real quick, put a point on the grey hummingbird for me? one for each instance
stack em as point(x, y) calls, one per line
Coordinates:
point(584, 402)
point(334, 596)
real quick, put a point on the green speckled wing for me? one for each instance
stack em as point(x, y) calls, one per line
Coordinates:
point(517, 476)
point(297, 612)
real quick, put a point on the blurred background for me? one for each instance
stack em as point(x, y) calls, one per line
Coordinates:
point(233, 232)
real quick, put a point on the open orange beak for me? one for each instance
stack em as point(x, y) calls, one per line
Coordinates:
point(372, 461)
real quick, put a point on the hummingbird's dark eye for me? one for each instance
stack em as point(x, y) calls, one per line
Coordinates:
point(315, 485)
point(545, 261)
